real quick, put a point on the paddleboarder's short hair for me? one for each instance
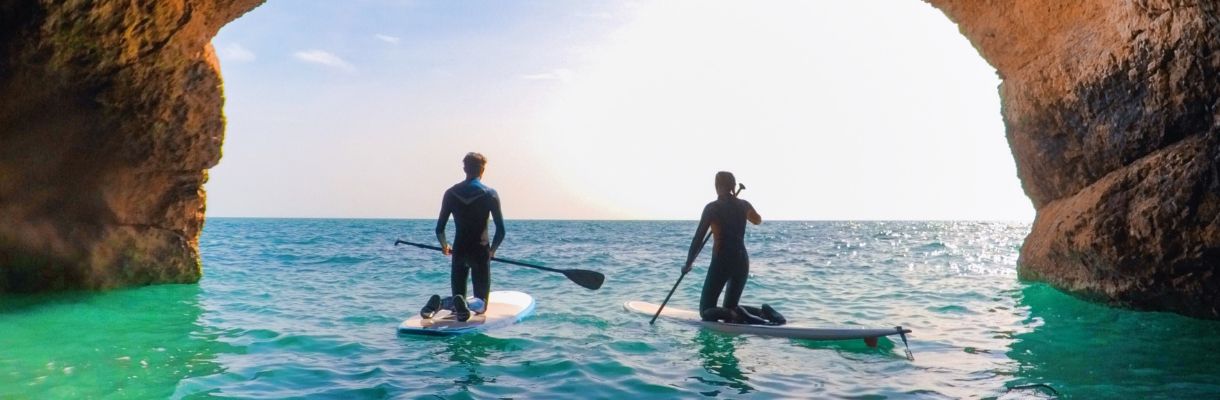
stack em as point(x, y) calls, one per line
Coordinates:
point(725, 181)
point(474, 163)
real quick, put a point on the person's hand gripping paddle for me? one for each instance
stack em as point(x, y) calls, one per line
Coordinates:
point(588, 279)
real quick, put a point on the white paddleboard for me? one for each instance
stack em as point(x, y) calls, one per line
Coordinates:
point(786, 331)
point(506, 308)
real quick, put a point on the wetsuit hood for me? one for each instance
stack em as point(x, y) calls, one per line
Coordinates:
point(470, 190)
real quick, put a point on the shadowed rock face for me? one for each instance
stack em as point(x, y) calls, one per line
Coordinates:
point(1111, 113)
point(110, 115)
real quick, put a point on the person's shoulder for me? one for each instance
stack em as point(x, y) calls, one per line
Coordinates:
point(488, 189)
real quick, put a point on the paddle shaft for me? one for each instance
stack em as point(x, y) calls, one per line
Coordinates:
point(503, 260)
point(740, 187)
point(671, 290)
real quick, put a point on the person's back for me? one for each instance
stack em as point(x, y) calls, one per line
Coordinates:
point(727, 219)
point(471, 203)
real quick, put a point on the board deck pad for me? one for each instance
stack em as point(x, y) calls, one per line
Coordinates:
point(506, 308)
point(787, 331)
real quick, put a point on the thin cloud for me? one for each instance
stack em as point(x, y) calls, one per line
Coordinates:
point(387, 38)
point(234, 52)
point(325, 58)
point(561, 74)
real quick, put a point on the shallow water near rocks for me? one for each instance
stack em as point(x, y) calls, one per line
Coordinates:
point(307, 308)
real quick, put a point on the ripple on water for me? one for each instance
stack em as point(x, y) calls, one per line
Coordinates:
point(308, 308)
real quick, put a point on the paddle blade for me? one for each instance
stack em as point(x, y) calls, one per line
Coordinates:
point(588, 279)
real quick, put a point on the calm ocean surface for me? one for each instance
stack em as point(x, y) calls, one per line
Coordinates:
point(308, 309)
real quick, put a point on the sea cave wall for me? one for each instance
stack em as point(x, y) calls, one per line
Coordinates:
point(1111, 114)
point(110, 117)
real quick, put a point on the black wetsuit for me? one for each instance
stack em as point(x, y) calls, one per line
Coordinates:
point(730, 267)
point(471, 203)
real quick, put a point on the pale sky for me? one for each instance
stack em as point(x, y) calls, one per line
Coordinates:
point(873, 109)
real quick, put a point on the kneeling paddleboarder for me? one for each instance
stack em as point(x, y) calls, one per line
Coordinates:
point(726, 217)
point(470, 202)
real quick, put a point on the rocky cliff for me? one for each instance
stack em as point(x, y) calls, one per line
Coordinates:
point(1111, 113)
point(110, 118)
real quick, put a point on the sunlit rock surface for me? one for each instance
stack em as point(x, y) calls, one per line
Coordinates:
point(1111, 108)
point(110, 116)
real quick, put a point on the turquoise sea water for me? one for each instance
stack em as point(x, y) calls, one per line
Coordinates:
point(307, 309)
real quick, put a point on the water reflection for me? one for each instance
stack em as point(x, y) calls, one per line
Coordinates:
point(469, 351)
point(717, 352)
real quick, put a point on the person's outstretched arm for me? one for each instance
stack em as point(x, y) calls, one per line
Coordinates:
point(498, 217)
point(441, 221)
point(752, 215)
point(696, 244)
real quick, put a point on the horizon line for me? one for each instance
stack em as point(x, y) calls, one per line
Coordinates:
point(634, 220)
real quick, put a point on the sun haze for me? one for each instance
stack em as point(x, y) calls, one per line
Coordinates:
point(845, 110)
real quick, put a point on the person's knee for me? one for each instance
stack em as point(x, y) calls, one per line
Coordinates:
point(717, 314)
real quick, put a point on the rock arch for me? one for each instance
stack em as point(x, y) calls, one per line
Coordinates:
point(110, 116)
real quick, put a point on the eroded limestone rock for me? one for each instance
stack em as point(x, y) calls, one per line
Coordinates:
point(1111, 112)
point(110, 116)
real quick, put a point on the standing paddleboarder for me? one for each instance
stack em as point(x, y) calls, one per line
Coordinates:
point(726, 217)
point(470, 202)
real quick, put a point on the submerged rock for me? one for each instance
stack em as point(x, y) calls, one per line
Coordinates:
point(111, 116)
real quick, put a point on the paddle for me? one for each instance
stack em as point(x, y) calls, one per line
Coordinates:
point(588, 279)
point(740, 187)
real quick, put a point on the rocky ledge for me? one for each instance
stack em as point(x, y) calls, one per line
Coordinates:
point(110, 116)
